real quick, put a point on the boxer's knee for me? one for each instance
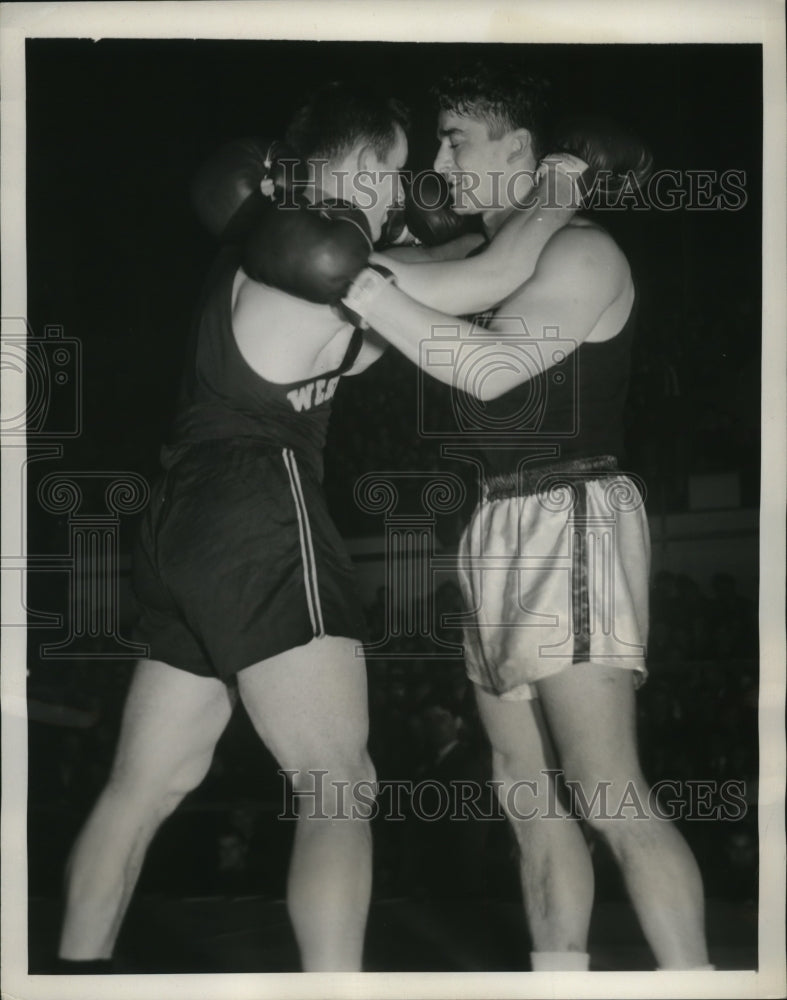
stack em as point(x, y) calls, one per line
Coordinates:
point(613, 801)
point(188, 777)
point(341, 785)
point(155, 789)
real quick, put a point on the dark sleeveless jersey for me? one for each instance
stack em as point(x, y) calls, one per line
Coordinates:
point(223, 398)
point(572, 410)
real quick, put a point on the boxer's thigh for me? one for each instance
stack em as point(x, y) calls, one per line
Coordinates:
point(309, 705)
point(591, 713)
point(171, 722)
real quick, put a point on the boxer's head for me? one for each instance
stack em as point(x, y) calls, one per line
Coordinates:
point(491, 124)
point(354, 142)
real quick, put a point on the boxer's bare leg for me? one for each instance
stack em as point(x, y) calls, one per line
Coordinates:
point(590, 711)
point(554, 862)
point(171, 722)
point(310, 707)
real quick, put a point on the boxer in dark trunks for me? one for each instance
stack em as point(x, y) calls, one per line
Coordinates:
point(244, 583)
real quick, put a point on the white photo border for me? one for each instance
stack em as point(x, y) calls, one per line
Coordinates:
point(560, 21)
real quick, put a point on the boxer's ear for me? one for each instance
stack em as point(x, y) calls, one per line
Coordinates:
point(366, 157)
point(520, 145)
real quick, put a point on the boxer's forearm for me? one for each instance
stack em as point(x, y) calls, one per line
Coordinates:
point(473, 284)
point(409, 326)
point(394, 257)
point(582, 258)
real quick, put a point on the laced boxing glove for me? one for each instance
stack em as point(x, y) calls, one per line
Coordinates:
point(426, 216)
point(246, 193)
point(314, 252)
point(395, 232)
point(615, 156)
point(428, 212)
point(225, 191)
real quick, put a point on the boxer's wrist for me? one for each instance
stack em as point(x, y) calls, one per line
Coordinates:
point(362, 293)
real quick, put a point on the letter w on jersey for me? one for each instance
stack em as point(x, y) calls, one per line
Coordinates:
point(313, 393)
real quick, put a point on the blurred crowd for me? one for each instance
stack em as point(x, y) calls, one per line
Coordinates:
point(687, 624)
point(694, 404)
point(697, 721)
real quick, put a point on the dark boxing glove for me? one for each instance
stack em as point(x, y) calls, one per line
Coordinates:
point(426, 217)
point(314, 252)
point(615, 157)
point(225, 191)
point(428, 213)
point(395, 232)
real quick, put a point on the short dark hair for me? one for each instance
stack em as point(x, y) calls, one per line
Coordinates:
point(502, 94)
point(339, 115)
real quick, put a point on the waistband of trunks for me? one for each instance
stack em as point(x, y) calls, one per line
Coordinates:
point(529, 481)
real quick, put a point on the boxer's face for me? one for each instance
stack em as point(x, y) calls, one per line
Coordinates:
point(386, 181)
point(367, 180)
point(374, 183)
point(481, 171)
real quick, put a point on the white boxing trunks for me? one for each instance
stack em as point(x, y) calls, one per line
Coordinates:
point(554, 569)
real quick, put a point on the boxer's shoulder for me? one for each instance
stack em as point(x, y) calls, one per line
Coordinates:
point(283, 338)
point(584, 245)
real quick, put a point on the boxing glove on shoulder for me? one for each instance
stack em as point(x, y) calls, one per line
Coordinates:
point(615, 156)
point(313, 252)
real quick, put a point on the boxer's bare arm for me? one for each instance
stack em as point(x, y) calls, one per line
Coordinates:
point(285, 339)
point(453, 250)
point(474, 284)
point(580, 279)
